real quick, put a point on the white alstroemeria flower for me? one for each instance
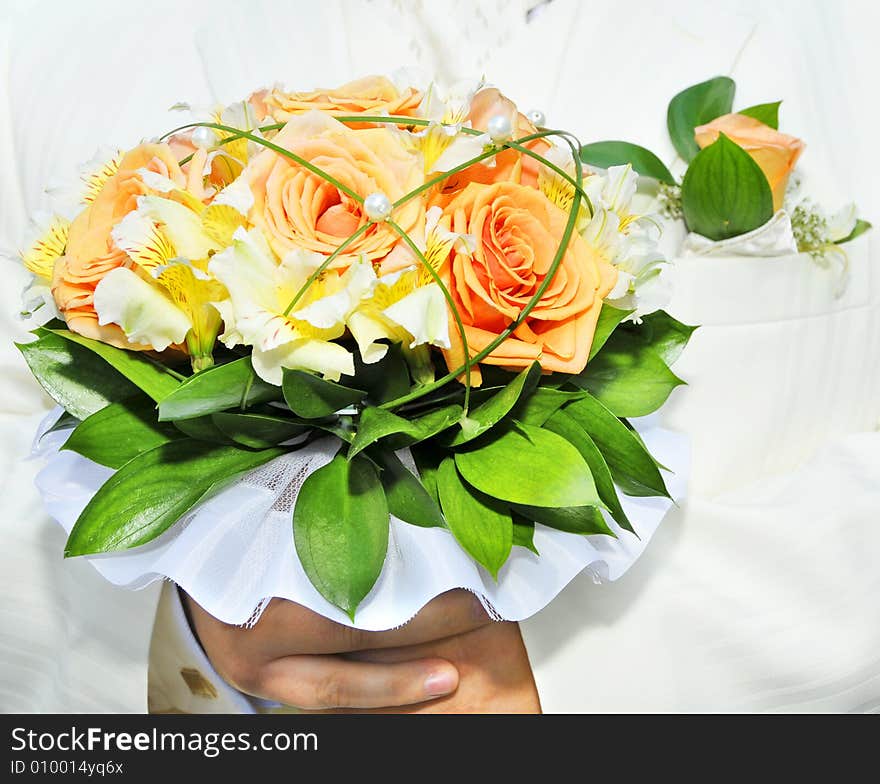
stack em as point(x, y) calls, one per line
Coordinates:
point(141, 309)
point(169, 241)
point(442, 144)
point(261, 290)
point(559, 190)
point(641, 284)
point(232, 156)
point(628, 241)
point(45, 241)
point(69, 197)
point(615, 190)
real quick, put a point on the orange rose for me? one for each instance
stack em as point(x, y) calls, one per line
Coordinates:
point(90, 252)
point(296, 208)
point(518, 231)
point(776, 153)
point(509, 165)
point(370, 95)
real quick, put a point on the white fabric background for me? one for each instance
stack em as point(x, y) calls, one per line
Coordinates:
point(762, 599)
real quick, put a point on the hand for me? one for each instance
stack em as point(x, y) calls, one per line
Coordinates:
point(292, 654)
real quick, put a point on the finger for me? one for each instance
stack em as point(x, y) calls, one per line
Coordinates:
point(313, 682)
point(287, 628)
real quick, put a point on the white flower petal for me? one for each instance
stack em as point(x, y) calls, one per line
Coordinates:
point(238, 195)
point(367, 332)
point(321, 356)
point(181, 225)
point(423, 314)
point(842, 222)
point(331, 311)
point(143, 312)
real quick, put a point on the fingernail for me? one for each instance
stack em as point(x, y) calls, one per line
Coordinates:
point(440, 683)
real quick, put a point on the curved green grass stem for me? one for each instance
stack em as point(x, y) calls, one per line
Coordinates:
point(449, 301)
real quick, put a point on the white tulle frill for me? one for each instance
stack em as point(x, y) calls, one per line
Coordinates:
point(235, 551)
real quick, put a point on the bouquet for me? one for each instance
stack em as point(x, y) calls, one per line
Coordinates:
point(427, 283)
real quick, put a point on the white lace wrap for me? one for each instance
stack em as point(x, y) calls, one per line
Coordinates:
point(235, 551)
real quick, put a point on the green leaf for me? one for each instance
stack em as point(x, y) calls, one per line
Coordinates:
point(631, 465)
point(617, 153)
point(664, 335)
point(154, 490)
point(529, 465)
point(234, 385)
point(258, 431)
point(407, 498)
point(485, 416)
point(585, 520)
point(767, 113)
point(609, 318)
point(64, 422)
point(481, 525)
point(73, 376)
point(541, 405)
point(340, 529)
point(311, 397)
point(564, 425)
point(523, 533)
point(860, 228)
point(120, 432)
point(387, 379)
point(697, 105)
point(377, 423)
point(428, 458)
point(202, 429)
point(628, 377)
point(724, 192)
point(146, 373)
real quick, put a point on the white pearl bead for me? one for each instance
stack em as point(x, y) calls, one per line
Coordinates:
point(377, 207)
point(500, 128)
point(204, 137)
point(537, 117)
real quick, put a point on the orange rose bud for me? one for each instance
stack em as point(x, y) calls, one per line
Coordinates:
point(518, 231)
point(776, 153)
point(372, 95)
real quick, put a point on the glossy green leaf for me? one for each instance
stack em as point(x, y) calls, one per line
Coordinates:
point(523, 533)
point(258, 431)
point(697, 105)
point(628, 377)
point(340, 528)
point(529, 465)
point(119, 432)
point(74, 377)
point(585, 520)
point(664, 335)
point(564, 425)
point(144, 372)
point(631, 465)
point(202, 429)
point(724, 192)
point(377, 423)
point(860, 228)
point(488, 414)
point(408, 500)
point(541, 405)
point(609, 319)
point(234, 385)
point(154, 490)
point(427, 458)
point(616, 153)
point(481, 525)
point(767, 113)
point(311, 397)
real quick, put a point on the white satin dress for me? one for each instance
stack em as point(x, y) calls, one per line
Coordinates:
point(762, 597)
